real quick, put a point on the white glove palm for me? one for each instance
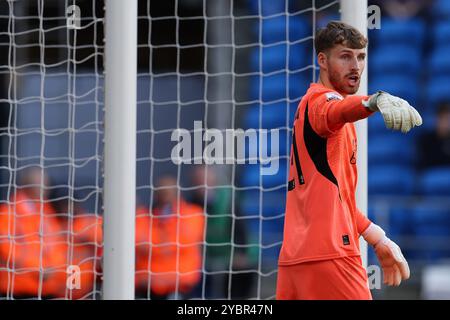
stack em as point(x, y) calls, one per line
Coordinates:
point(397, 113)
point(394, 265)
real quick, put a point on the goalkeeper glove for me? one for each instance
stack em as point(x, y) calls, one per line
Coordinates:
point(394, 265)
point(396, 112)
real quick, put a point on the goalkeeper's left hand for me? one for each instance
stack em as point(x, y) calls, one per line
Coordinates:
point(394, 265)
point(397, 113)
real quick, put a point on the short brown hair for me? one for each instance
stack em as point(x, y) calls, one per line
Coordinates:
point(337, 32)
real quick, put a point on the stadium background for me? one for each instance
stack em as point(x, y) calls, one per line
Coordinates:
point(260, 87)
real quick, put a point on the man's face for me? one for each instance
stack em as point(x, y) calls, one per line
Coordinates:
point(168, 192)
point(344, 67)
point(32, 183)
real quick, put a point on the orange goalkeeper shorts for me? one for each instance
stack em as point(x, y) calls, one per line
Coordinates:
point(337, 279)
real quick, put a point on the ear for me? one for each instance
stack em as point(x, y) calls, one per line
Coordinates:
point(322, 60)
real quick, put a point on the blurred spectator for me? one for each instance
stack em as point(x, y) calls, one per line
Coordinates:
point(33, 245)
point(435, 145)
point(404, 9)
point(168, 245)
point(85, 236)
point(36, 246)
point(216, 200)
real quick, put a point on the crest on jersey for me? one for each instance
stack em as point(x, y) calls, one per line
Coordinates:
point(333, 96)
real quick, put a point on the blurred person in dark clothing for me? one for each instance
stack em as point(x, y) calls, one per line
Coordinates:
point(434, 146)
point(216, 200)
point(168, 245)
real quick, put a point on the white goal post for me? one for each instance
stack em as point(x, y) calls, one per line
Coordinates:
point(120, 148)
point(354, 12)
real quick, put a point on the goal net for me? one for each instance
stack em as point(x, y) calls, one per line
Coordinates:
point(51, 142)
point(217, 89)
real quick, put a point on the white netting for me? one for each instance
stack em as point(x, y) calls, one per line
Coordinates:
point(218, 65)
point(228, 64)
point(51, 138)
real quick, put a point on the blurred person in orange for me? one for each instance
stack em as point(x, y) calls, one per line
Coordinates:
point(169, 244)
point(85, 236)
point(39, 241)
point(33, 244)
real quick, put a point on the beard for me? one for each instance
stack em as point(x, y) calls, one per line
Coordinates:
point(340, 83)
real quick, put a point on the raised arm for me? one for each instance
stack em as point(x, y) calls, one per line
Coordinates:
point(330, 111)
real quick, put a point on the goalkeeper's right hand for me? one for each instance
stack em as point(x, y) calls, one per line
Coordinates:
point(397, 113)
point(395, 267)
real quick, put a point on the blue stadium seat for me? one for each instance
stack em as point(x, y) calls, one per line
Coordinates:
point(283, 138)
point(249, 201)
point(265, 203)
point(293, 106)
point(399, 222)
point(269, 116)
point(267, 7)
point(395, 218)
point(438, 90)
point(441, 8)
point(265, 225)
point(274, 86)
point(376, 124)
point(441, 33)
point(400, 32)
point(275, 30)
point(400, 85)
point(372, 213)
point(429, 120)
point(433, 243)
point(436, 181)
point(431, 213)
point(252, 176)
point(273, 115)
point(272, 7)
point(274, 203)
point(391, 149)
point(431, 225)
point(391, 180)
point(322, 21)
point(439, 62)
point(397, 59)
point(429, 123)
point(275, 57)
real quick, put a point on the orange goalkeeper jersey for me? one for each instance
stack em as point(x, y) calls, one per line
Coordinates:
point(322, 220)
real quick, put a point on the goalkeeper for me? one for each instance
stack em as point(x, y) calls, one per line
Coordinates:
point(320, 256)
